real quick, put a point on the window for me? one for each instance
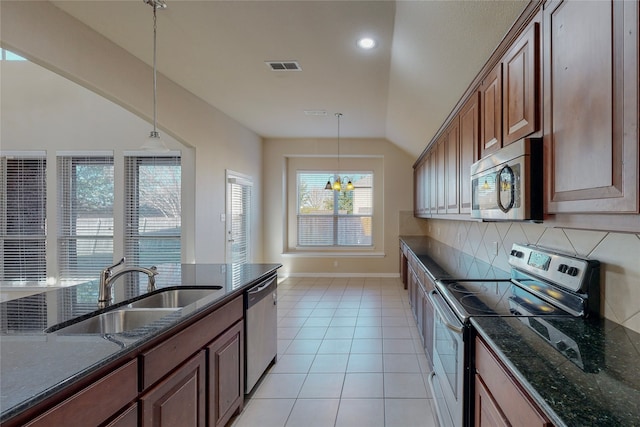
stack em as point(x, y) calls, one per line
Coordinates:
point(334, 218)
point(85, 216)
point(23, 217)
point(153, 211)
point(6, 55)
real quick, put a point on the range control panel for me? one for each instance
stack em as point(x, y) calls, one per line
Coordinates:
point(567, 271)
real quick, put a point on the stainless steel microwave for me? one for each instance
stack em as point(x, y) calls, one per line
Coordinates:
point(507, 185)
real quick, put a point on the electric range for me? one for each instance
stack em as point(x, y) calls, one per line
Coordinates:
point(544, 285)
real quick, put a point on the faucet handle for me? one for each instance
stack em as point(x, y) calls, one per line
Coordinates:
point(116, 264)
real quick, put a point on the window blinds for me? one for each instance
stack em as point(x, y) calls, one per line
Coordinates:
point(23, 218)
point(85, 216)
point(334, 218)
point(153, 211)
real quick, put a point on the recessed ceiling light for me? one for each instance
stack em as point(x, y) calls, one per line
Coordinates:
point(367, 43)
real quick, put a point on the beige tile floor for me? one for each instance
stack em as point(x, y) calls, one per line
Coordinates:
point(348, 355)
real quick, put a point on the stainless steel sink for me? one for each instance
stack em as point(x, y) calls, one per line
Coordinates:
point(175, 298)
point(116, 321)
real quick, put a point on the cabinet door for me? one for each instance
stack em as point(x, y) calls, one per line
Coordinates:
point(128, 418)
point(487, 412)
point(226, 375)
point(506, 393)
point(433, 180)
point(469, 137)
point(491, 112)
point(452, 167)
point(521, 87)
point(441, 161)
point(591, 106)
point(178, 400)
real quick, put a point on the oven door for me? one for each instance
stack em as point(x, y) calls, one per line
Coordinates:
point(448, 363)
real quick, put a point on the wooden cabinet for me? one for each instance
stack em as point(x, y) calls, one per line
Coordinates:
point(96, 403)
point(521, 86)
point(226, 382)
point(441, 161)
point(491, 112)
point(499, 399)
point(128, 418)
point(487, 411)
point(469, 118)
point(591, 106)
point(419, 285)
point(452, 167)
point(179, 399)
point(420, 186)
point(433, 181)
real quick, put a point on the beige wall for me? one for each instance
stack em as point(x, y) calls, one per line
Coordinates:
point(396, 196)
point(619, 254)
point(49, 37)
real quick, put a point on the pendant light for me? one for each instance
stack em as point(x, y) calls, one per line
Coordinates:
point(337, 184)
point(154, 142)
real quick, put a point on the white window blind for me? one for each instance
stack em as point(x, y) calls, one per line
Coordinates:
point(331, 218)
point(153, 211)
point(85, 216)
point(239, 209)
point(23, 218)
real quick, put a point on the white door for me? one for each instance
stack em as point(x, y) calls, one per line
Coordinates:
point(238, 218)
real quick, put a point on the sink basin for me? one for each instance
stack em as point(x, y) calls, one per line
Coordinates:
point(116, 321)
point(175, 298)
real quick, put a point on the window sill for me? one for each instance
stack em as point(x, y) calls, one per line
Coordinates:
point(333, 254)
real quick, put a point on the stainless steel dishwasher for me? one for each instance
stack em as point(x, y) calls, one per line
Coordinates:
point(261, 326)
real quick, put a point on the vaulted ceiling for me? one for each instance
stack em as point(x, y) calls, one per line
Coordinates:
point(427, 53)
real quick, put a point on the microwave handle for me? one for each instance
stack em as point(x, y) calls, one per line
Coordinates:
point(503, 208)
point(442, 312)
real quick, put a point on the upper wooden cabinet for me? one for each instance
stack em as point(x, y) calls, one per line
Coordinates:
point(591, 106)
point(452, 167)
point(521, 86)
point(469, 118)
point(510, 94)
point(491, 112)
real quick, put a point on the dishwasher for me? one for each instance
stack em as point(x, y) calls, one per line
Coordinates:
point(261, 326)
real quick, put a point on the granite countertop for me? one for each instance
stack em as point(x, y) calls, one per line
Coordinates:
point(604, 390)
point(35, 365)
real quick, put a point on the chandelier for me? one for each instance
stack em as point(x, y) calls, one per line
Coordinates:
point(337, 184)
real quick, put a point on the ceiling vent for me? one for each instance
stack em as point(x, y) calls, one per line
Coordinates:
point(284, 65)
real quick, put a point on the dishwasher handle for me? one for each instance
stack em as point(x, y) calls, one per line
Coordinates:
point(260, 291)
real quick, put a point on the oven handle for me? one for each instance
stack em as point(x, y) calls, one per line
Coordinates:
point(443, 312)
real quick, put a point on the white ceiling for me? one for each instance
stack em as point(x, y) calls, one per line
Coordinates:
point(427, 54)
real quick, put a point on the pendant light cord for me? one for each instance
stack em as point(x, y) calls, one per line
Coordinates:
point(338, 115)
point(155, 88)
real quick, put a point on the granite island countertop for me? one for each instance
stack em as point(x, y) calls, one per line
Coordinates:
point(603, 391)
point(34, 365)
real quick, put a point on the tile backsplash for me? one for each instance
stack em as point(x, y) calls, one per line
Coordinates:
point(619, 253)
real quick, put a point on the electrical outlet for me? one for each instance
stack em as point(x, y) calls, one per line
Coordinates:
point(223, 217)
point(335, 263)
point(494, 248)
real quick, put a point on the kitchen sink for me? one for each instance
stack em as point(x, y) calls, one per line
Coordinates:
point(176, 298)
point(116, 321)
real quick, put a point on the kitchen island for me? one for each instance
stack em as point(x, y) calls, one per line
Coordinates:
point(36, 367)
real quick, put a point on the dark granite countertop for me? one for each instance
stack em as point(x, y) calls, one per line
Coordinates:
point(603, 391)
point(35, 365)
point(443, 262)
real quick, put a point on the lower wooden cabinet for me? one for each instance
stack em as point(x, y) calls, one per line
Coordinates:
point(94, 404)
point(226, 379)
point(128, 418)
point(499, 399)
point(179, 399)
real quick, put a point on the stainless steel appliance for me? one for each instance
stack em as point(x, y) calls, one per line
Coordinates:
point(261, 326)
point(507, 185)
point(544, 285)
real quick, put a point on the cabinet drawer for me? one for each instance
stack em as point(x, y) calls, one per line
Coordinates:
point(96, 403)
point(514, 402)
point(160, 360)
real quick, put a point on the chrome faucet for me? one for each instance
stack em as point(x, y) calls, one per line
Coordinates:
point(107, 277)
